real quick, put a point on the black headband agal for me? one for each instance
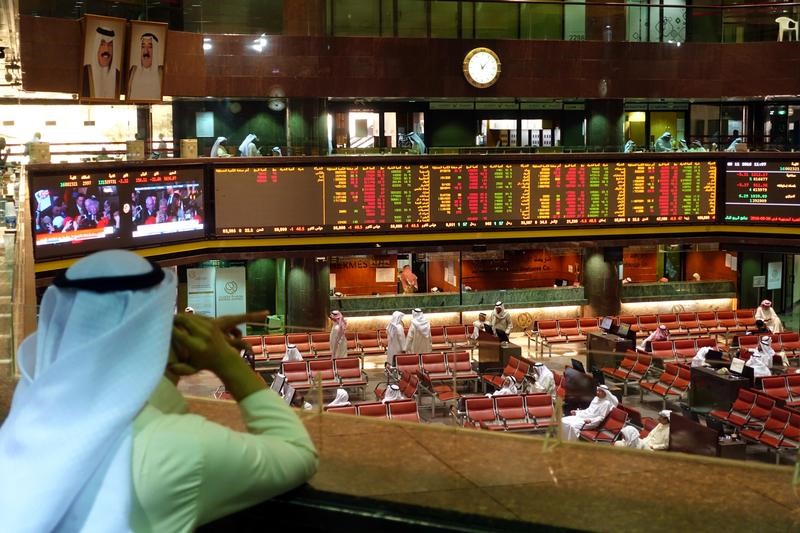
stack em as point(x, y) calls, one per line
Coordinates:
point(135, 282)
point(105, 31)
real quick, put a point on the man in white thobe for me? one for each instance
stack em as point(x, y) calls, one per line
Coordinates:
point(588, 418)
point(419, 334)
point(545, 381)
point(395, 337)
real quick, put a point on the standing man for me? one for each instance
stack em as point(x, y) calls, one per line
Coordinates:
point(101, 77)
point(408, 280)
point(144, 79)
point(501, 322)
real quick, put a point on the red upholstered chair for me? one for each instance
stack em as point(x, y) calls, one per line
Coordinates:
point(433, 367)
point(438, 339)
point(707, 320)
point(689, 323)
point(727, 320)
point(512, 413)
point(342, 409)
point(702, 342)
point(775, 387)
point(661, 386)
point(790, 343)
point(747, 342)
point(540, 410)
point(771, 434)
point(457, 336)
point(662, 350)
point(588, 325)
point(407, 363)
point(671, 321)
point(323, 369)
point(791, 434)
point(497, 380)
point(375, 409)
point(370, 342)
point(296, 373)
point(609, 429)
point(256, 343)
point(481, 413)
point(568, 327)
point(302, 341)
point(405, 410)
point(621, 372)
point(275, 347)
point(349, 372)
point(746, 318)
point(648, 323)
point(685, 348)
point(793, 384)
point(739, 413)
point(321, 344)
point(460, 366)
point(760, 410)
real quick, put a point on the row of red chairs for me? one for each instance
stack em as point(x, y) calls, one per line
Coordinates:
point(673, 382)
point(758, 419)
point(314, 345)
point(521, 412)
point(609, 429)
point(788, 341)
point(515, 367)
point(785, 390)
point(408, 384)
point(699, 323)
point(681, 349)
point(405, 410)
point(631, 370)
point(438, 366)
point(344, 372)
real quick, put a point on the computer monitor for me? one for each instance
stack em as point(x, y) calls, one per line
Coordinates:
point(577, 365)
point(624, 329)
point(737, 366)
point(606, 323)
point(277, 383)
point(288, 393)
point(599, 377)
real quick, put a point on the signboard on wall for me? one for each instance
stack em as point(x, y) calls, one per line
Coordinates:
point(774, 271)
point(231, 291)
point(200, 290)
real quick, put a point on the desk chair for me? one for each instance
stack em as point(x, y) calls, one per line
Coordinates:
point(785, 24)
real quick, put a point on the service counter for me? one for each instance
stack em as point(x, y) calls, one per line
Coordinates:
point(353, 306)
point(392, 476)
point(677, 290)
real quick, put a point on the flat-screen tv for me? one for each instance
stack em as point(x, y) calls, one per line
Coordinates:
point(624, 329)
point(606, 323)
point(127, 207)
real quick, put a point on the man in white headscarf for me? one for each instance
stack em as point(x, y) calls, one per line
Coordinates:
point(392, 393)
point(144, 79)
point(658, 438)
point(699, 358)
point(189, 310)
point(342, 398)
point(480, 325)
point(101, 75)
point(545, 381)
point(501, 322)
point(218, 150)
point(338, 337)
point(629, 438)
point(86, 442)
point(248, 147)
point(761, 357)
point(661, 333)
point(591, 417)
point(766, 313)
point(395, 336)
point(292, 354)
point(509, 387)
point(419, 334)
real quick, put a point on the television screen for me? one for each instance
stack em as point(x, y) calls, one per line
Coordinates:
point(167, 204)
point(624, 329)
point(606, 323)
point(74, 213)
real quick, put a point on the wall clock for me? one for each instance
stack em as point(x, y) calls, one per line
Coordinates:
point(481, 67)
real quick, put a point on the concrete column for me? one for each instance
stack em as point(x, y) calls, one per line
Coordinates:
point(306, 126)
point(604, 126)
point(307, 294)
point(601, 283)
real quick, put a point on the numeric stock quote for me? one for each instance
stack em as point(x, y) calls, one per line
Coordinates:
point(415, 198)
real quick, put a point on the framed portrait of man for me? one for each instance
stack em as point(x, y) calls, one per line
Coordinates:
point(146, 52)
point(103, 51)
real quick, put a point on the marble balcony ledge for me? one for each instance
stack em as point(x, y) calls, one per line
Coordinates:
point(677, 290)
point(453, 301)
point(529, 483)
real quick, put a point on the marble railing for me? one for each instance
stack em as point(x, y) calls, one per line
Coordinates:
point(677, 290)
point(454, 301)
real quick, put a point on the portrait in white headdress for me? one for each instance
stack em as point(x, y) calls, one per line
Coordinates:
point(104, 44)
point(146, 62)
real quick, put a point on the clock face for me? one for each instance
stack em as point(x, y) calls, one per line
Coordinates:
point(481, 67)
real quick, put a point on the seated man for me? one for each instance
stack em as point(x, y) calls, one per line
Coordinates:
point(129, 456)
point(591, 417)
point(658, 438)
